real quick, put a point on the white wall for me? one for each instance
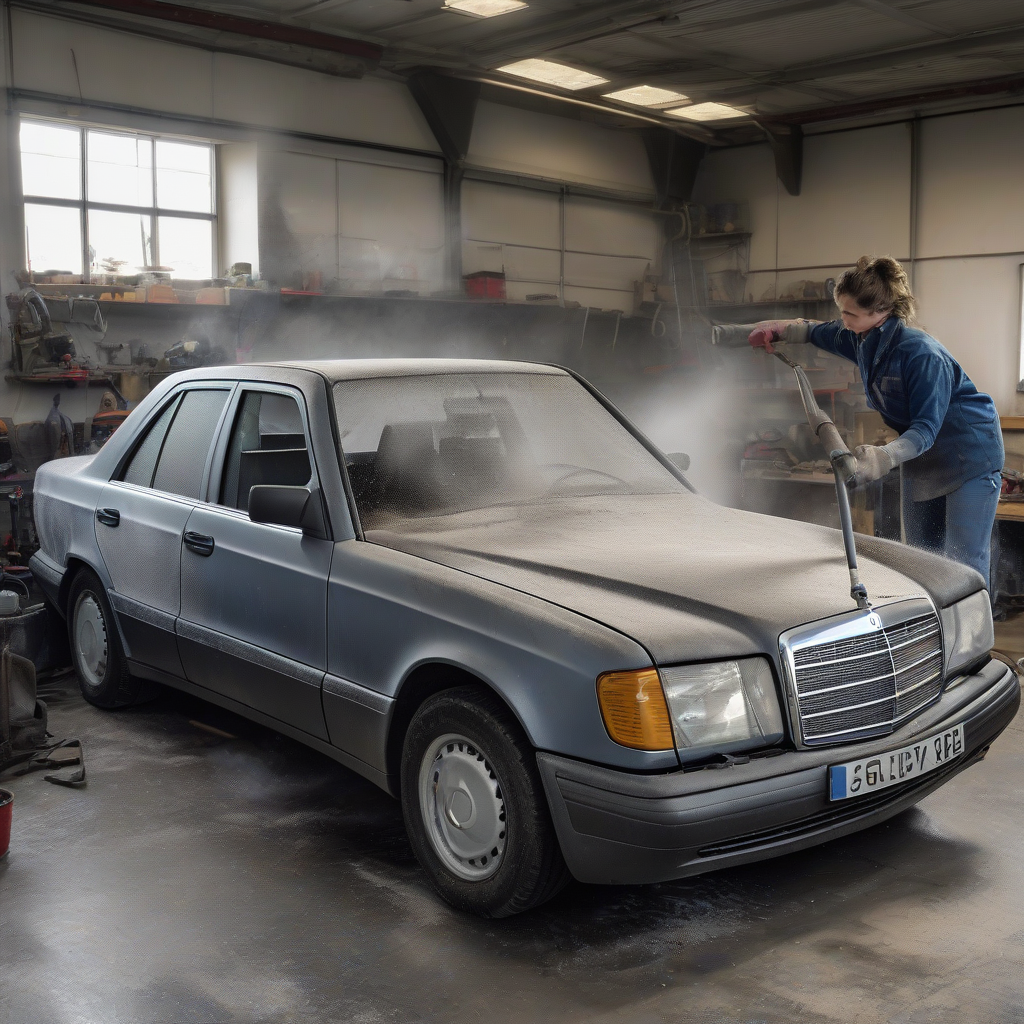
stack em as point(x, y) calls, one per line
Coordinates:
point(118, 67)
point(607, 245)
point(856, 198)
point(238, 205)
point(524, 142)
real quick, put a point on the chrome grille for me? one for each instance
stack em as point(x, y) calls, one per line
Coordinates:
point(865, 674)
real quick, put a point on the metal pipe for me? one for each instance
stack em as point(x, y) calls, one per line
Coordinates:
point(857, 589)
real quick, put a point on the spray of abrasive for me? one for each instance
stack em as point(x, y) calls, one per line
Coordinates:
point(844, 465)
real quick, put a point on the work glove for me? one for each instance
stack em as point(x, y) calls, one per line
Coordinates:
point(873, 463)
point(766, 333)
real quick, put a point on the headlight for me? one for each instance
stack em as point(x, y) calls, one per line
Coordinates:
point(967, 631)
point(723, 706)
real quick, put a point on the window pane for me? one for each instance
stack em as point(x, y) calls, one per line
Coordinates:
point(268, 446)
point(186, 246)
point(119, 243)
point(183, 459)
point(140, 469)
point(120, 169)
point(183, 178)
point(51, 161)
point(53, 239)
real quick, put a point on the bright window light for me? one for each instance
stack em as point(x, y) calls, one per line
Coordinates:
point(53, 239)
point(646, 96)
point(550, 73)
point(484, 8)
point(147, 201)
point(708, 112)
point(51, 161)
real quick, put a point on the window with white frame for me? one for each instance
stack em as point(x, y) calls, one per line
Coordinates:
point(100, 201)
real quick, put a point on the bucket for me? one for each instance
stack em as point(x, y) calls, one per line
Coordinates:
point(6, 807)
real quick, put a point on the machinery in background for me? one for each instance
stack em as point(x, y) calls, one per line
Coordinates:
point(42, 342)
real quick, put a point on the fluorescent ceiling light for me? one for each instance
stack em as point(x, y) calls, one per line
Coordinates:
point(646, 96)
point(484, 8)
point(707, 112)
point(550, 73)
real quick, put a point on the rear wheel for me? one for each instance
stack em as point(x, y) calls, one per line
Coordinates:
point(474, 806)
point(96, 647)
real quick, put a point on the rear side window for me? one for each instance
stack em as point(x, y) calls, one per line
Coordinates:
point(183, 458)
point(268, 446)
point(142, 464)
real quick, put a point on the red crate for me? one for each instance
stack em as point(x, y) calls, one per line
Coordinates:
point(485, 284)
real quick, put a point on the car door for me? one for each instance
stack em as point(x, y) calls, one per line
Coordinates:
point(142, 515)
point(253, 624)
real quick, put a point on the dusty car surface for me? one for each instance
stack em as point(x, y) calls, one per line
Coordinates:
point(479, 586)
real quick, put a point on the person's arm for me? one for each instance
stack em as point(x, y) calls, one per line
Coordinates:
point(833, 337)
point(928, 380)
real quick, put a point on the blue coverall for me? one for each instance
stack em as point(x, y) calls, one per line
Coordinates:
point(950, 444)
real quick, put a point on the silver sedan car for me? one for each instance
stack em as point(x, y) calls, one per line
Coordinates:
point(478, 585)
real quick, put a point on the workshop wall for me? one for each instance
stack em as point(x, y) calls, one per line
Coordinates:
point(857, 197)
point(558, 148)
point(589, 249)
point(366, 210)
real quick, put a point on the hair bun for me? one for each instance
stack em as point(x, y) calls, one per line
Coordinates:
point(887, 269)
point(879, 284)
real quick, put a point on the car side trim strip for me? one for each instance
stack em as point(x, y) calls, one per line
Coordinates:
point(358, 694)
point(249, 652)
point(143, 612)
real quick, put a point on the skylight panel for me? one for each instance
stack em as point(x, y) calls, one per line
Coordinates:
point(647, 96)
point(707, 112)
point(484, 8)
point(550, 73)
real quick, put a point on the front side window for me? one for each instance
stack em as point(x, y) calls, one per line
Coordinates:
point(173, 453)
point(104, 202)
point(451, 443)
point(268, 446)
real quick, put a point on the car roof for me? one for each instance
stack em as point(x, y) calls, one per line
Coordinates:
point(363, 369)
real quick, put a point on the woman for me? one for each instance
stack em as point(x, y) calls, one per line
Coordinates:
point(950, 446)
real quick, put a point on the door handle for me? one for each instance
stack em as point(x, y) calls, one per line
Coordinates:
point(199, 543)
point(108, 516)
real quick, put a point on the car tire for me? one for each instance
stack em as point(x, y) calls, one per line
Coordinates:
point(475, 808)
point(96, 650)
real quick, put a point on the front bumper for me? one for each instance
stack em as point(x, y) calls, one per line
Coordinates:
point(619, 828)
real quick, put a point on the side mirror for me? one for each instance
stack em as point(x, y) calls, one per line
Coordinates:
point(280, 505)
point(679, 459)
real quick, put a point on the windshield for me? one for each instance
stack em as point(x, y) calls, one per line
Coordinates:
point(446, 443)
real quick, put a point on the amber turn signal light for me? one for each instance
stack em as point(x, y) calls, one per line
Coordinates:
point(634, 710)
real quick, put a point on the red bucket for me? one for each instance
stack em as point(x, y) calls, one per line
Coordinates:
point(6, 807)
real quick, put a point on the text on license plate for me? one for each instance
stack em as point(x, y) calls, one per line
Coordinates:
point(855, 778)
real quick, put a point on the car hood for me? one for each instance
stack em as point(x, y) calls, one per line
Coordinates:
point(688, 579)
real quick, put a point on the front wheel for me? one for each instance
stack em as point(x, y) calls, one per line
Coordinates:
point(96, 647)
point(474, 806)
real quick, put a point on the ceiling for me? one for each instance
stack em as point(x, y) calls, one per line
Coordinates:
point(796, 60)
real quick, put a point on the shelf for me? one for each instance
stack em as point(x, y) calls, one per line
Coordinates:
point(1010, 510)
point(722, 236)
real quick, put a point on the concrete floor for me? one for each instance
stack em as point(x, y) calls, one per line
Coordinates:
point(198, 880)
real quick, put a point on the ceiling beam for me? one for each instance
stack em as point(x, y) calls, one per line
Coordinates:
point(270, 30)
point(964, 90)
point(787, 143)
point(816, 71)
point(674, 164)
point(888, 10)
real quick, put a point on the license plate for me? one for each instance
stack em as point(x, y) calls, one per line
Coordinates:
point(870, 774)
